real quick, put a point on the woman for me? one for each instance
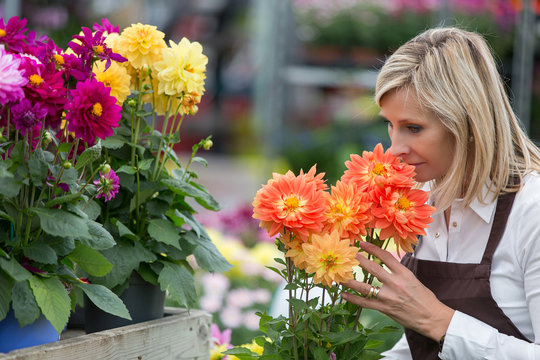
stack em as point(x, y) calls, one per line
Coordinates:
point(471, 289)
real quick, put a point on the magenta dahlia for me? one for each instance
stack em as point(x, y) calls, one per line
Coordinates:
point(26, 115)
point(92, 46)
point(92, 111)
point(106, 26)
point(108, 185)
point(12, 34)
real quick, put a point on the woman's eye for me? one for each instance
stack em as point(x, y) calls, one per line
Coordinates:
point(414, 128)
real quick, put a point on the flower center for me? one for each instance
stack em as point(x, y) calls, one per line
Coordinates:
point(292, 203)
point(35, 80)
point(97, 109)
point(403, 203)
point(329, 261)
point(189, 68)
point(2, 32)
point(58, 59)
point(98, 49)
point(379, 169)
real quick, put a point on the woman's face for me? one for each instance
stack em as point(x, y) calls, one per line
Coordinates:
point(417, 136)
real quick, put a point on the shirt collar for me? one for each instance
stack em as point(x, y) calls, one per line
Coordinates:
point(485, 211)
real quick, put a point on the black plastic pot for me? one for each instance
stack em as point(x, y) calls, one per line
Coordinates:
point(145, 301)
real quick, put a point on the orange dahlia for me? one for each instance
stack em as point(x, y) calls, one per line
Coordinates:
point(402, 213)
point(292, 203)
point(348, 211)
point(377, 168)
point(330, 258)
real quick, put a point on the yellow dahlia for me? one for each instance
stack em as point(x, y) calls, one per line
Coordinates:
point(330, 259)
point(182, 69)
point(141, 44)
point(348, 211)
point(116, 78)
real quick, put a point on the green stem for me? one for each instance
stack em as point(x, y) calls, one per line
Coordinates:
point(290, 269)
point(161, 140)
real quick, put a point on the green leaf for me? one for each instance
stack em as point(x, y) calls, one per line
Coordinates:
point(88, 156)
point(343, 337)
point(319, 354)
point(62, 246)
point(298, 304)
point(53, 300)
point(373, 344)
point(64, 147)
point(200, 160)
point(100, 238)
point(9, 186)
point(188, 219)
point(208, 256)
point(242, 353)
point(4, 168)
point(179, 283)
point(125, 258)
point(199, 193)
point(62, 223)
point(128, 169)
point(37, 167)
point(105, 299)
point(6, 216)
point(24, 305)
point(14, 269)
point(41, 252)
point(145, 164)
point(62, 199)
point(113, 142)
point(164, 231)
point(90, 260)
point(123, 230)
point(5, 294)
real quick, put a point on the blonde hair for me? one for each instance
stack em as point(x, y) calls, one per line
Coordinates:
point(454, 75)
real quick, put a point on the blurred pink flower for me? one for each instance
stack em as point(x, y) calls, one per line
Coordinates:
point(231, 317)
point(220, 337)
point(11, 78)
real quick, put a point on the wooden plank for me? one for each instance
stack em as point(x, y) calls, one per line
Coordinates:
point(181, 335)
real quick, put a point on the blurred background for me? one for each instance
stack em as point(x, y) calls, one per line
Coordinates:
point(289, 85)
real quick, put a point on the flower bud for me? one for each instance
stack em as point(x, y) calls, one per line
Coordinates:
point(207, 144)
point(105, 169)
point(147, 87)
point(47, 138)
point(66, 165)
point(132, 102)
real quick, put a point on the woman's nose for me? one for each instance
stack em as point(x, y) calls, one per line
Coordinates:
point(398, 147)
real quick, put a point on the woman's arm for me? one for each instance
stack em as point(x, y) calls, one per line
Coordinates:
point(406, 300)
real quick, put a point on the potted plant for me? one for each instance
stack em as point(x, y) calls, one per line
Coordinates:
point(152, 217)
point(51, 161)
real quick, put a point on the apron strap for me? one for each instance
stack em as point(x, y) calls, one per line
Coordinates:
point(504, 206)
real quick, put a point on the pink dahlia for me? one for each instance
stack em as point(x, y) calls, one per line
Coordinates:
point(106, 27)
point(92, 111)
point(11, 78)
point(107, 185)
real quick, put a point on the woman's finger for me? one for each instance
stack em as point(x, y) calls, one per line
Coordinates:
point(372, 267)
point(387, 258)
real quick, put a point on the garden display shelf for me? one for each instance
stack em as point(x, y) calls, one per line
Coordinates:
point(180, 334)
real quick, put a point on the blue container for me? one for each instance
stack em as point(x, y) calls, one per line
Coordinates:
point(13, 337)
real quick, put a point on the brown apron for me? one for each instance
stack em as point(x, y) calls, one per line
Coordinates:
point(463, 287)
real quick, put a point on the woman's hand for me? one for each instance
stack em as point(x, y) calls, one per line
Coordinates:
point(402, 296)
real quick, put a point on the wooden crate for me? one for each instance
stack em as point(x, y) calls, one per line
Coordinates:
point(178, 335)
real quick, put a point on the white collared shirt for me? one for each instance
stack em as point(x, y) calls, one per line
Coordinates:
point(515, 276)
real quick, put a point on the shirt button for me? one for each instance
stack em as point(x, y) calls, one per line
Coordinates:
point(454, 224)
point(437, 235)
